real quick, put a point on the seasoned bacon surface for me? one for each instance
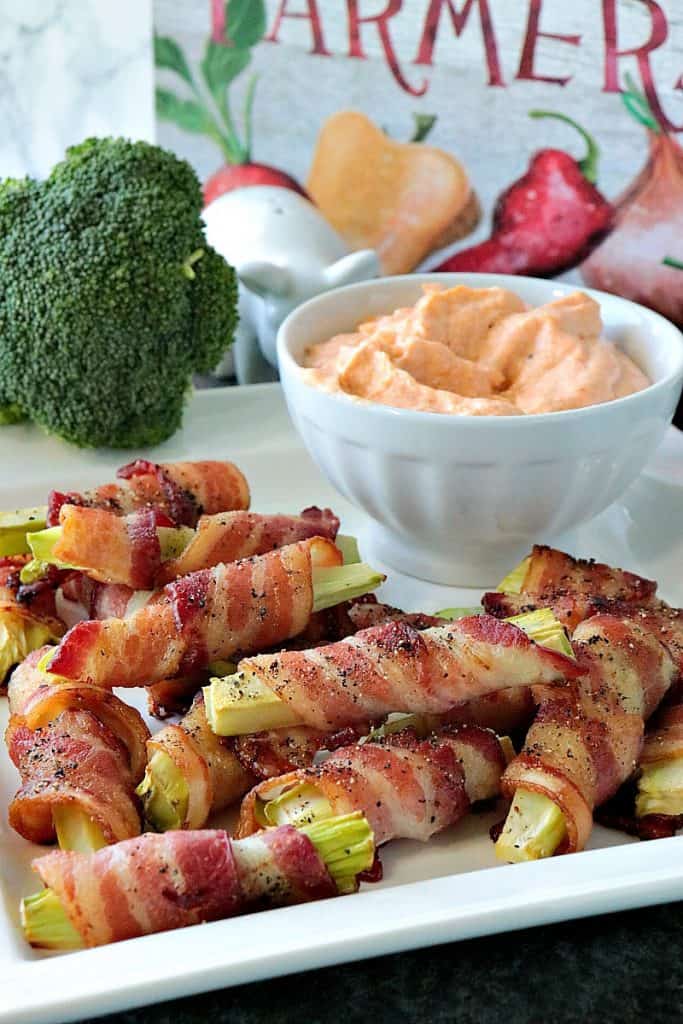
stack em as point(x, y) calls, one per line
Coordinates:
point(157, 882)
point(75, 759)
point(554, 572)
point(398, 668)
point(233, 535)
point(243, 606)
point(406, 787)
point(182, 490)
point(574, 588)
point(111, 548)
point(72, 743)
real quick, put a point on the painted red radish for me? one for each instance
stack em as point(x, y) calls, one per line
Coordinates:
point(232, 176)
point(236, 27)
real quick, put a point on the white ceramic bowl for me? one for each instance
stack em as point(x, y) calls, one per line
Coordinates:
point(459, 499)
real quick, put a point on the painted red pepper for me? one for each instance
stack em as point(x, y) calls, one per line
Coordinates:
point(547, 221)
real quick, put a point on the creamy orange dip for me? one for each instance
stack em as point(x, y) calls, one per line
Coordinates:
point(478, 352)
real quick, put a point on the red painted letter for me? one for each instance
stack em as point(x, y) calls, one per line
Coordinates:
point(356, 46)
point(533, 33)
point(311, 15)
point(425, 50)
point(658, 36)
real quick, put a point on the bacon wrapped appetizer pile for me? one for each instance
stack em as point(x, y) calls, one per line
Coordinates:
point(157, 882)
point(172, 495)
point(407, 787)
point(192, 772)
point(209, 615)
point(80, 752)
point(586, 741)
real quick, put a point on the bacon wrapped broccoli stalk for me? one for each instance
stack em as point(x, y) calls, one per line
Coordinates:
point(248, 605)
point(80, 752)
point(154, 883)
point(384, 669)
point(575, 588)
point(407, 787)
point(585, 742)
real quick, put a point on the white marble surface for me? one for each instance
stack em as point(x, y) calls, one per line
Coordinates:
point(70, 69)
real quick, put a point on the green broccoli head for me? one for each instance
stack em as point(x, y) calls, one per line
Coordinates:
point(110, 297)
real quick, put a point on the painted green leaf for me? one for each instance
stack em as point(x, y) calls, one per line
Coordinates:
point(187, 114)
point(167, 54)
point(220, 65)
point(245, 22)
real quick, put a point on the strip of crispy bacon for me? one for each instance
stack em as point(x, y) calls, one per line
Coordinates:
point(504, 711)
point(181, 490)
point(73, 743)
point(398, 668)
point(80, 598)
point(233, 535)
point(550, 571)
point(158, 882)
point(574, 588)
point(209, 615)
point(406, 787)
point(111, 548)
point(584, 743)
point(36, 699)
point(77, 760)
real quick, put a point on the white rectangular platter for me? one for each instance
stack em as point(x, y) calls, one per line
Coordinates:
point(451, 888)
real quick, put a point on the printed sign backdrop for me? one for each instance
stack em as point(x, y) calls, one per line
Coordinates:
point(550, 131)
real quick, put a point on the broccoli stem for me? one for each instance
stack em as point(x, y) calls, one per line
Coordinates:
point(514, 581)
point(14, 527)
point(534, 828)
point(457, 613)
point(349, 548)
point(660, 788)
point(301, 804)
point(76, 830)
point(343, 583)
point(46, 924)
point(164, 793)
point(346, 844)
point(20, 634)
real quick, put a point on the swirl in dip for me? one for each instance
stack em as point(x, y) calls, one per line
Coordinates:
point(478, 352)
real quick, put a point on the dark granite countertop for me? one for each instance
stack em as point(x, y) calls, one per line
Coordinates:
point(613, 969)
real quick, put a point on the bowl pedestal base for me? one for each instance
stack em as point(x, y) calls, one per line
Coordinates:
point(449, 563)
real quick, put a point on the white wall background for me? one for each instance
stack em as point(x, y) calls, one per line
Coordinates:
point(69, 69)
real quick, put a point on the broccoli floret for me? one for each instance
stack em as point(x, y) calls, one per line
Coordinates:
point(110, 297)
